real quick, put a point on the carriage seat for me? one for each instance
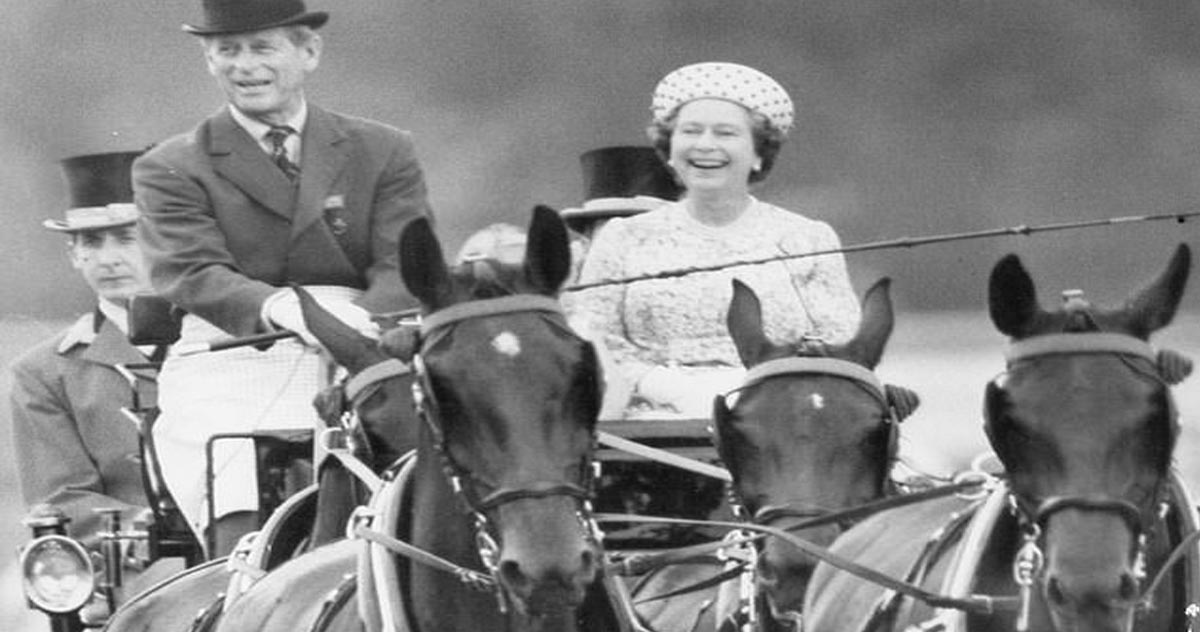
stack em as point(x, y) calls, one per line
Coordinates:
point(630, 483)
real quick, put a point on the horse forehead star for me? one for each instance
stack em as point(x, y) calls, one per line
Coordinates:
point(507, 343)
point(817, 401)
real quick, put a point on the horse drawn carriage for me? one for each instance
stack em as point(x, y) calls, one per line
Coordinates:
point(497, 517)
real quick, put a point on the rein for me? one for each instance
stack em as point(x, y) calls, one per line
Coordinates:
point(984, 604)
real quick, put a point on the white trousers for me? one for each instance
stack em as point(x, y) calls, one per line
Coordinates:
point(232, 391)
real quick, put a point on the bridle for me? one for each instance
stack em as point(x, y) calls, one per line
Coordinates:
point(1033, 514)
point(747, 549)
point(799, 365)
point(479, 495)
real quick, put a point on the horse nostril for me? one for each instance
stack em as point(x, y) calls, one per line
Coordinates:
point(587, 563)
point(1054, 592)
point(1129, 587)
point(511, 575)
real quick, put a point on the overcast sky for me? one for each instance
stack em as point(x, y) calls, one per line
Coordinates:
point(913, 117)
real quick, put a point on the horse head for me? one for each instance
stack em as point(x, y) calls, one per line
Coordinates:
point(509, 400)
point(1085, 427)
point(810, 433)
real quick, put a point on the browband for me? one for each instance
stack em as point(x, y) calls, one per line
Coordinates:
point(828, 366)
point(1052, 344)
point(391, 367)
point(489, 307)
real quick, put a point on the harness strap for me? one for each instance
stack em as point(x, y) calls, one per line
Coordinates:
point(642, 563)
point(332, 440)
point(470, 577)
point(1087, 342)
point(829, 366)
point(1183, 549)
point(859, 512)
point(488, 307)
point(662, 456)
point(970, 603)
point(392, 367)
point(334, 602)
point(716, 580)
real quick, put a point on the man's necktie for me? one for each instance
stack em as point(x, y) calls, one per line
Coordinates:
point(279, 155)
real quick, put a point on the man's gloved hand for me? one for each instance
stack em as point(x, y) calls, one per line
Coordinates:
point(282, 311)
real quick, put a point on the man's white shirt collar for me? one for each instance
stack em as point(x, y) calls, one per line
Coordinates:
point(258, 130)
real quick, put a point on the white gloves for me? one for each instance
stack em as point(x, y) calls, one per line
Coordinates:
point(282, 311)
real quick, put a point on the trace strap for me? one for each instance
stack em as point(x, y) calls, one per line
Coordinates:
point(984, 604)
point(662, 456)
point(474, 579)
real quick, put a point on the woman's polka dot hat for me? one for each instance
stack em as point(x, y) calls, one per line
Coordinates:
point(719, 80)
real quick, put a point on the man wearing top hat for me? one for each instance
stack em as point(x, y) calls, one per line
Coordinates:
point(76, 451)
point(620, 181)
point(269, 191)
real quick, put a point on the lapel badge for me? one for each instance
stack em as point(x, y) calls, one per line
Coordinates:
point(335, 206)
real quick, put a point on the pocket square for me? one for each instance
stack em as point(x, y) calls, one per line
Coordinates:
point(334, 201)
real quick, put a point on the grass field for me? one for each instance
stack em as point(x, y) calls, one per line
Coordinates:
point(946, 357)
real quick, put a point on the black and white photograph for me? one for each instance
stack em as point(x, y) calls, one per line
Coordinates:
point(626, 316)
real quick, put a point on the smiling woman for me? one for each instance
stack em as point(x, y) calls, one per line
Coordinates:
point(719, 126)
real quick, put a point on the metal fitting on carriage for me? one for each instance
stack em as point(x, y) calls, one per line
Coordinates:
point(361, 517)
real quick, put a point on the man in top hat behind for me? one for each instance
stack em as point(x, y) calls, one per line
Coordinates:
point(620, 181)
point(76, 451)
point(269, 191)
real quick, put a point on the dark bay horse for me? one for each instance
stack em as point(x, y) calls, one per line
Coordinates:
point(1077, 534)
point(499, 487)
point(810, 432)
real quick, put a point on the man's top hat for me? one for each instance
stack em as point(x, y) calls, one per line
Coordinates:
point(621, 181)
point(101, 190)
point(242, 16)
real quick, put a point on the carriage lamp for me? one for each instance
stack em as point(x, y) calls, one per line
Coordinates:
point(57, 574)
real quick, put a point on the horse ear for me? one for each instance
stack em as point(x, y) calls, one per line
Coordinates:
point(422, 265)
point(875, 329)
point(547, 251)
point(1154, 306)
point(1012, 297)
point(744, 321)
point(349, 348)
